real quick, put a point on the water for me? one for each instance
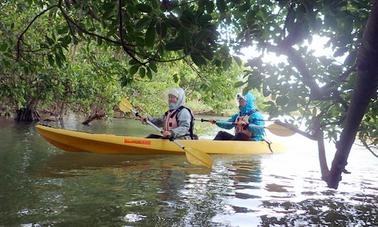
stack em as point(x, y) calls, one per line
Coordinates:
point(42, 185)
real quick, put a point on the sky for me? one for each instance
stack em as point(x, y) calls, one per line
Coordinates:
point(317, 45)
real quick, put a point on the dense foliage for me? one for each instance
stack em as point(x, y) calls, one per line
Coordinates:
point(50, 68)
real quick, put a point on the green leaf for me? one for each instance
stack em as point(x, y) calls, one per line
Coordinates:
point(150, 35)
point(221, 4)
point(210, 6)
point(198, 59)
point(49, 40)
point(174, 45)
point(187, 18)
point(6, 63)
point(175, 78)
point(3, 47)
point(208, 54)
point(58, 60)
point(144, 21)
point(43, 45)
point(50, 59)
point(149, 73)
point(75, 41)
point(133, 62)
point(133, 69)
point(282, 100)
point(142, 72)
point(65, 40)
point(99, 41)
point(238, 60)
point(245, 7)
point(173, 22)
point(108, 9)
point(217, 62)
point(153, 67)
point(62, 30)
point(240, 83)
point(139, 40)
point(144, 8)
point(161, 29)
point(155, 3)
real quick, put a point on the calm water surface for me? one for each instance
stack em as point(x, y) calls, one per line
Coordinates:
point(41, 185)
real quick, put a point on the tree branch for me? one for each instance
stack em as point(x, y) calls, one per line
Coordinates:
point(300, 64)
point(319, 137)
point(71, 21)
point(125, 47)
point(19, 39)
point(327, 92)
point(195, 70)
point(321, 149)
point(369, 149)
point(169, 60)
point(329, 88)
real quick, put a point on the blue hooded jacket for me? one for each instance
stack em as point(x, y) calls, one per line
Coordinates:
point(254, 119)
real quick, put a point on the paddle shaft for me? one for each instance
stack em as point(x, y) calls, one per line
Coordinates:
point(233, 123)
point(275, 128)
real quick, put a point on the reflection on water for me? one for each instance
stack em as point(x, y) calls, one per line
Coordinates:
point(41, 185)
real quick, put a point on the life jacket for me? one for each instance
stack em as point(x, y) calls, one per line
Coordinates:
point(171, 120)
point(243, 129)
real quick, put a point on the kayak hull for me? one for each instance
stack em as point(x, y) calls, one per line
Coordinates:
point(75, 141)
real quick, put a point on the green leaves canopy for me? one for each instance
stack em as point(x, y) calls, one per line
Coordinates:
point(150, 32)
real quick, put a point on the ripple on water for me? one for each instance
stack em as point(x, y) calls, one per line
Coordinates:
point(132, 218)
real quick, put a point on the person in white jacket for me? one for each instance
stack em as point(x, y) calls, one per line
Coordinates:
point(178, 121)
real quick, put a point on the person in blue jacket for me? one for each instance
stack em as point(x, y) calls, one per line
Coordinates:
point(248, 123)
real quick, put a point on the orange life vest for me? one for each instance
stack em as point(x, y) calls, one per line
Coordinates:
point(171, 120)
point(240, 128)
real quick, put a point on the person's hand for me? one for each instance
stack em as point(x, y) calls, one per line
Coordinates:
point(141, 119)
point(212, 121)
point(167, 134)
point(242, 123)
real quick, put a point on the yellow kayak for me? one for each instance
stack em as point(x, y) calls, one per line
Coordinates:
point(75, 141)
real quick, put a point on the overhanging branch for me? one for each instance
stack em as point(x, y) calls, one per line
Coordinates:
point(124, 45)
point(19, 39)
point(300, 64)
point(71, 21)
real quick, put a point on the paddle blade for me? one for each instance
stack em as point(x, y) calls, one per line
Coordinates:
point(280, 130)
point(125, 106)
point(198, 158)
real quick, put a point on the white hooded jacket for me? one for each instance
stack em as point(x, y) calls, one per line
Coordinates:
point(184, 116)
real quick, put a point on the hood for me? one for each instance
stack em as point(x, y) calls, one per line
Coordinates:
point(180, 94)
point(250, 103)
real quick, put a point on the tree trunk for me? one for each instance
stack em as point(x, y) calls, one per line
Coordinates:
point(364, 91)
point(28, 113)
point(61, 110)
point(97, 115)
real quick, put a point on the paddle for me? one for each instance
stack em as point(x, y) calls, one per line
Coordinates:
point(194, 156)
point(273, 128)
